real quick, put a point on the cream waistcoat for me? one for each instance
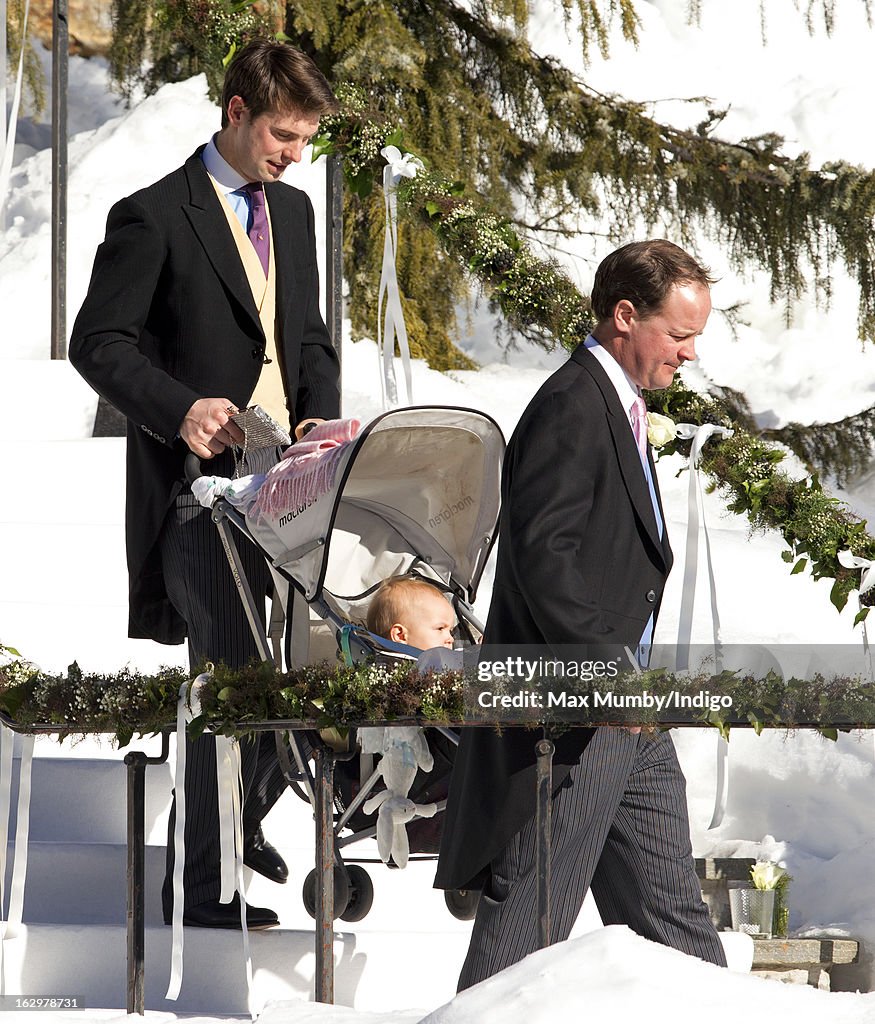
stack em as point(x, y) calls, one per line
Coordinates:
point(269, 391)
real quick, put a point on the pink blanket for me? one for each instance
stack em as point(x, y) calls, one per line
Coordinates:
point(306, 470)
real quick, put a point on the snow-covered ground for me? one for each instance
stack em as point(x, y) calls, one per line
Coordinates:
point(796, 798)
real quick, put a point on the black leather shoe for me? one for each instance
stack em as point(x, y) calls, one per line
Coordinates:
point(213, 914)
point(259, 855)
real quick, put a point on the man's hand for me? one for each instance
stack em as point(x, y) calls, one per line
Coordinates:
point(304, 426)
point(207, 428)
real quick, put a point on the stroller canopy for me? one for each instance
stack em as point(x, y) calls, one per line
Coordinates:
point(418, 487)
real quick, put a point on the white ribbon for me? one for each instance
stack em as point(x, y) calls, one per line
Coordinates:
point(398, 166)
point(7, 135)
point(229, 780)
point(226, 781)
point(699, 436)
point(22, 834)
point(2, 82)
point(10, 927)
point(852, 561)
point(7, 740)
point(186, 710)
point(867, 582)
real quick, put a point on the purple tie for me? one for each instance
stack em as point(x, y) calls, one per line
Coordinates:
point(639, 425)
point(259, 232)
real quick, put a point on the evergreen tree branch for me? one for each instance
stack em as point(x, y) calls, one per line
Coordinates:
point(769, 209)
point(841, 449)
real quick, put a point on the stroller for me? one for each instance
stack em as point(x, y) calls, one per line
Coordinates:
point(416, 493)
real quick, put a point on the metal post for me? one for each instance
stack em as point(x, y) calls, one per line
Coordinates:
point(324, 771)
point(136, 916)
point(60, 59)
point(136, 762)
point(334, 250)
point(544, 750)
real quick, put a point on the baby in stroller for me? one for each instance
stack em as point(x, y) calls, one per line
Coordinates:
point(408, 610)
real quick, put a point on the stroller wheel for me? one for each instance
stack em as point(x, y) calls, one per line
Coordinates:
point(341, 893)
point(361, 894)
point(462, 903)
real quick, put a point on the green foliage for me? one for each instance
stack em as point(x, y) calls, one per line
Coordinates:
point(34, 86)
point(171, 40)
point(747, 469)
point(841, 449)
point(781, 917)
point(123, 704)
point(233, 702)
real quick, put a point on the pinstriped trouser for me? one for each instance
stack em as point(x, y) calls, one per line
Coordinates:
point(201, 587)
point(619, 825)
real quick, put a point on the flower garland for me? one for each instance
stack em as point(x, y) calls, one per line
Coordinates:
point(536, 297)
point(234, 702)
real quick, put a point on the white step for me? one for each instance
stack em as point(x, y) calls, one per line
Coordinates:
point(79, 800)
point(84, 883)
point(50, 609)
point(74, 403)
point(73, 940)
point(385, 971)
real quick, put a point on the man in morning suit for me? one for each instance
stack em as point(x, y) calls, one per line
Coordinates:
point(582, 560)
point(204, 299)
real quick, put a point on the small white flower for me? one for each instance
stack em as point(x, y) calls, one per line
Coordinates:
point(660, 429)
point(766, 875)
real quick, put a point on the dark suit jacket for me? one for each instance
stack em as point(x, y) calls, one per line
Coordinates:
point(169, 318)
point(580, 561)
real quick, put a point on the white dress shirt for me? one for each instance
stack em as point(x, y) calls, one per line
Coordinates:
point(228, 181)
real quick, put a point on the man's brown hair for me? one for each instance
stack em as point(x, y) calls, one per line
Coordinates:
point(278, 78)
point(392, 602)
point(644, 273)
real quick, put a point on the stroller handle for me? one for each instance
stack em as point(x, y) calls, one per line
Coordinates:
point(192, 467)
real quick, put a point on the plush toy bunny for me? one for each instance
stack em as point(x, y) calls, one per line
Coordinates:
point(404, 750)
point(395, 811)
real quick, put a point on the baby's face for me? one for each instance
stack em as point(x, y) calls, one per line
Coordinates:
point(430, 622)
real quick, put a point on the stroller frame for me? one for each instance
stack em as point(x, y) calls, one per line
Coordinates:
point(333, 888)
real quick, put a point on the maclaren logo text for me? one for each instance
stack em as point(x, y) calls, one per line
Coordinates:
point(449, 511)
point(294, 513)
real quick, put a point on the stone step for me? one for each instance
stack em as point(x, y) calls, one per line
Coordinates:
point(825, 962)
point(86, 883)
